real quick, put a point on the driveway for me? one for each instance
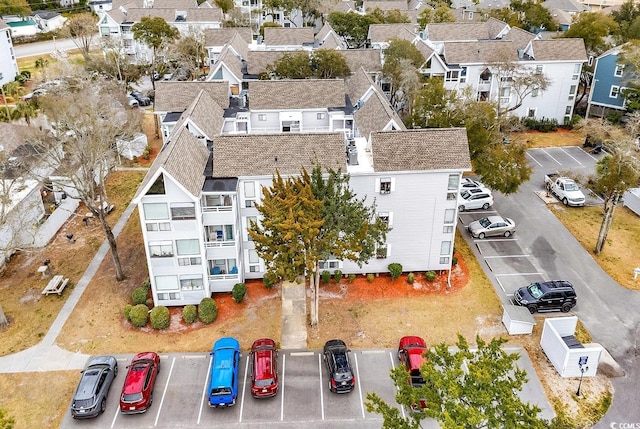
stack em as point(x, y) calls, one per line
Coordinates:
point(542, 248)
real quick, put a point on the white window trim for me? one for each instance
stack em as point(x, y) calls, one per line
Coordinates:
point(615, 88)
point(389, 216)
point(619, 71)
point(378, 181)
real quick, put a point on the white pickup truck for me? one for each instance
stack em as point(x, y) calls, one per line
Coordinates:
point(564, 189)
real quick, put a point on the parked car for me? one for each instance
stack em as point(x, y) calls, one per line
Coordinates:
point(564, 189)
point(467, 183)
point(132, 101)
point(411, 350)
point(475, 198)
point(142, 99)
point(183, 74)
point(90, 397)
point(137, 392)
point(491, 226)
point(336, 356)
point(264, 368)
point(223, 380)
point(551, 295)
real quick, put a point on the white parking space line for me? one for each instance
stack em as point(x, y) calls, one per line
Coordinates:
point(113, 422)
point(518, 274)
point(500, 284)
point(284, 360)
point(570, 156)
point(393, 366)
point(122, 359)
point(371, 352)
point(588, 153)
point(549, 155)
point(301, 354)
point(321, 397)
point(355, 357)
point(489, 240)
point(533, 159)
point(166, 386)
point(204, 389)
point(193, 356)
point(506, 256)
point(244, 388)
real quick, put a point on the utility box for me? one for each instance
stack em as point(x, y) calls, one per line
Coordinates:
point(568, 356)
point(517, 319)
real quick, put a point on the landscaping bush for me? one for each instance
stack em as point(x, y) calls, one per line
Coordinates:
point(352, 278)
point(238, 292)
point(370, 277)
point(337, 276)
point(269, 280)
point(430, 276)
point(395, 269)
point(454, 260)
point(207, 310)
point(326, 276)
point(127, 312)
point(139, 315)
point(411, 278)
point(189, 313)
point(543, 125)
point(146, 284)
point(160, 318)
point(149, 303)
point(139, 295)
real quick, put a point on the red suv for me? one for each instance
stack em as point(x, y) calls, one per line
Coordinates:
point(410, 353)
point(137, 392)
point(264, 368)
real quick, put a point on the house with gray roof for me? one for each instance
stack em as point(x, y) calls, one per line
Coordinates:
point(469, 54)
point(199, 198)
point(290, 38)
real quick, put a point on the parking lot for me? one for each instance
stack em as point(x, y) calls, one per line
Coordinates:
point(180, 397)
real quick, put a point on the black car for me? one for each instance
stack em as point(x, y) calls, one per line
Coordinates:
point(143, 100)
point(336, 356)
point(552, 295)
point(90, 398)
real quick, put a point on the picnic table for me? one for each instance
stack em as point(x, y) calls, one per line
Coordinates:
point(55, 285)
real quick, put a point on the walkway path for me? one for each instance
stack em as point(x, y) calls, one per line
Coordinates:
point(46, 356)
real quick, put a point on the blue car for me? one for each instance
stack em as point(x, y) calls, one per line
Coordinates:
point(223, 383)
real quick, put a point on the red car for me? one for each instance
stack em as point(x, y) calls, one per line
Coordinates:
point(137, 392)
point(410, 353)
point(264, 368)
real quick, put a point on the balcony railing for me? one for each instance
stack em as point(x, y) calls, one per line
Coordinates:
point(216, 243)
point(217, 208)
point(224, 277)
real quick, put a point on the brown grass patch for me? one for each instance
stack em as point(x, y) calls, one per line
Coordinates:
point(561, 137)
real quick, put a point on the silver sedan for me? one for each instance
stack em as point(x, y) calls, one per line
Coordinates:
point(492, 226)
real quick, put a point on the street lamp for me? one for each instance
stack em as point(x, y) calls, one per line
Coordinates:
point(582, 363)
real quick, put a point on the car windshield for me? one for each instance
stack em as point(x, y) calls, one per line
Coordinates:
point(570, 187)
point(133, 397)
point(263, 383)
point(485, 222)
point(220, 391)
point(534, 290)
point(465, 195)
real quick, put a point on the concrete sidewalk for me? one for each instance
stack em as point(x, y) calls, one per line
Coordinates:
point(46, 355)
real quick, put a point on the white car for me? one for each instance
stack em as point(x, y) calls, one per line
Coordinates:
point(475, 198)
point(492, 226)
point(467, 183)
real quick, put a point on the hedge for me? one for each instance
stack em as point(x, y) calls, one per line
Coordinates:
point(189, 313)
point(139, 315)
point(207, 310)
point(160, 318)
point(139, 295)
point(238, 292)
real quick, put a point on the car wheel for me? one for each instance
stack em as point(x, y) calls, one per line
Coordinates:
point(115, 371)
point(507, 234)
point(461, 208)
point(485, 206)
point(532, 308)
point(565, 201)
point(150, 399)
point(481, 235)
point(565, 308)
point(103, 405)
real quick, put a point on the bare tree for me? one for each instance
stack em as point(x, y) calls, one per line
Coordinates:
point(189, 51)
point(81, 29)
point(87, 118)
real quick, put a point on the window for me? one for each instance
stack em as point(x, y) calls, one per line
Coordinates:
point(219, 232)
point(463, 75)
point(531, 112)
point(539, 69)
point(445, 248)
point(452, 196)
point(452, 76)
point(567, 110)
point(158, 186)
point(262, 117)
point(320, 116)
point(382, 252)
point(535, 92)
point(188, 247)
point(572, 89)
point(164, 283)
point(387, 218)
point(185, 262)
point(168, 296)
point(590, 60)
point(449, 215)
point(576, 71)
point(385, 185)
point(615, 90)
point(329, 265)
point(444, 259)
point(160, 249)
point(249, 194)
point(447, 229)
point(619, 70)
point(505, 94)
point(254, 261)
point(183, 211)
point(454, 182)
point(155, 211)
point(251, 220)
point(158, 226)
point(191, 282)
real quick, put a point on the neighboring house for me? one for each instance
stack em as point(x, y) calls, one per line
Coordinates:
point(48, 21)
point(465, 55)
point(287, 39)
point(379, 35)
point(563, 11)
point(24, 27)
point(216, 39)
point(199, 197)
point(97, 6)
point(8, 64)
point(472, 10)
point(607, 84)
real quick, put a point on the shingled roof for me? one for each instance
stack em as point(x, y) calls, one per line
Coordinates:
point(370, 5)
point(465, 31)
point(375, 114)
point(380, 33)
point(175, 96)
point(421, 150)
point(480, 51)
point(559, 49)
point(257, 61)
point(193, 15)
point(222, 36)
point(369, 59)
point(184, 158)
point(358, 84)
point(233, 63)
point(296, 94)
point(205, 114)
point(280, 36)
point(519, 37)
point(262, 154)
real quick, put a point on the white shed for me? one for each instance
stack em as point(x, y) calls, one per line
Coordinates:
point(632, 200)
point(517, 319)
point(566, 353)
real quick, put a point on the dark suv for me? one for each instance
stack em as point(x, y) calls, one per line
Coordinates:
point(552, 295)
point(336, 355)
